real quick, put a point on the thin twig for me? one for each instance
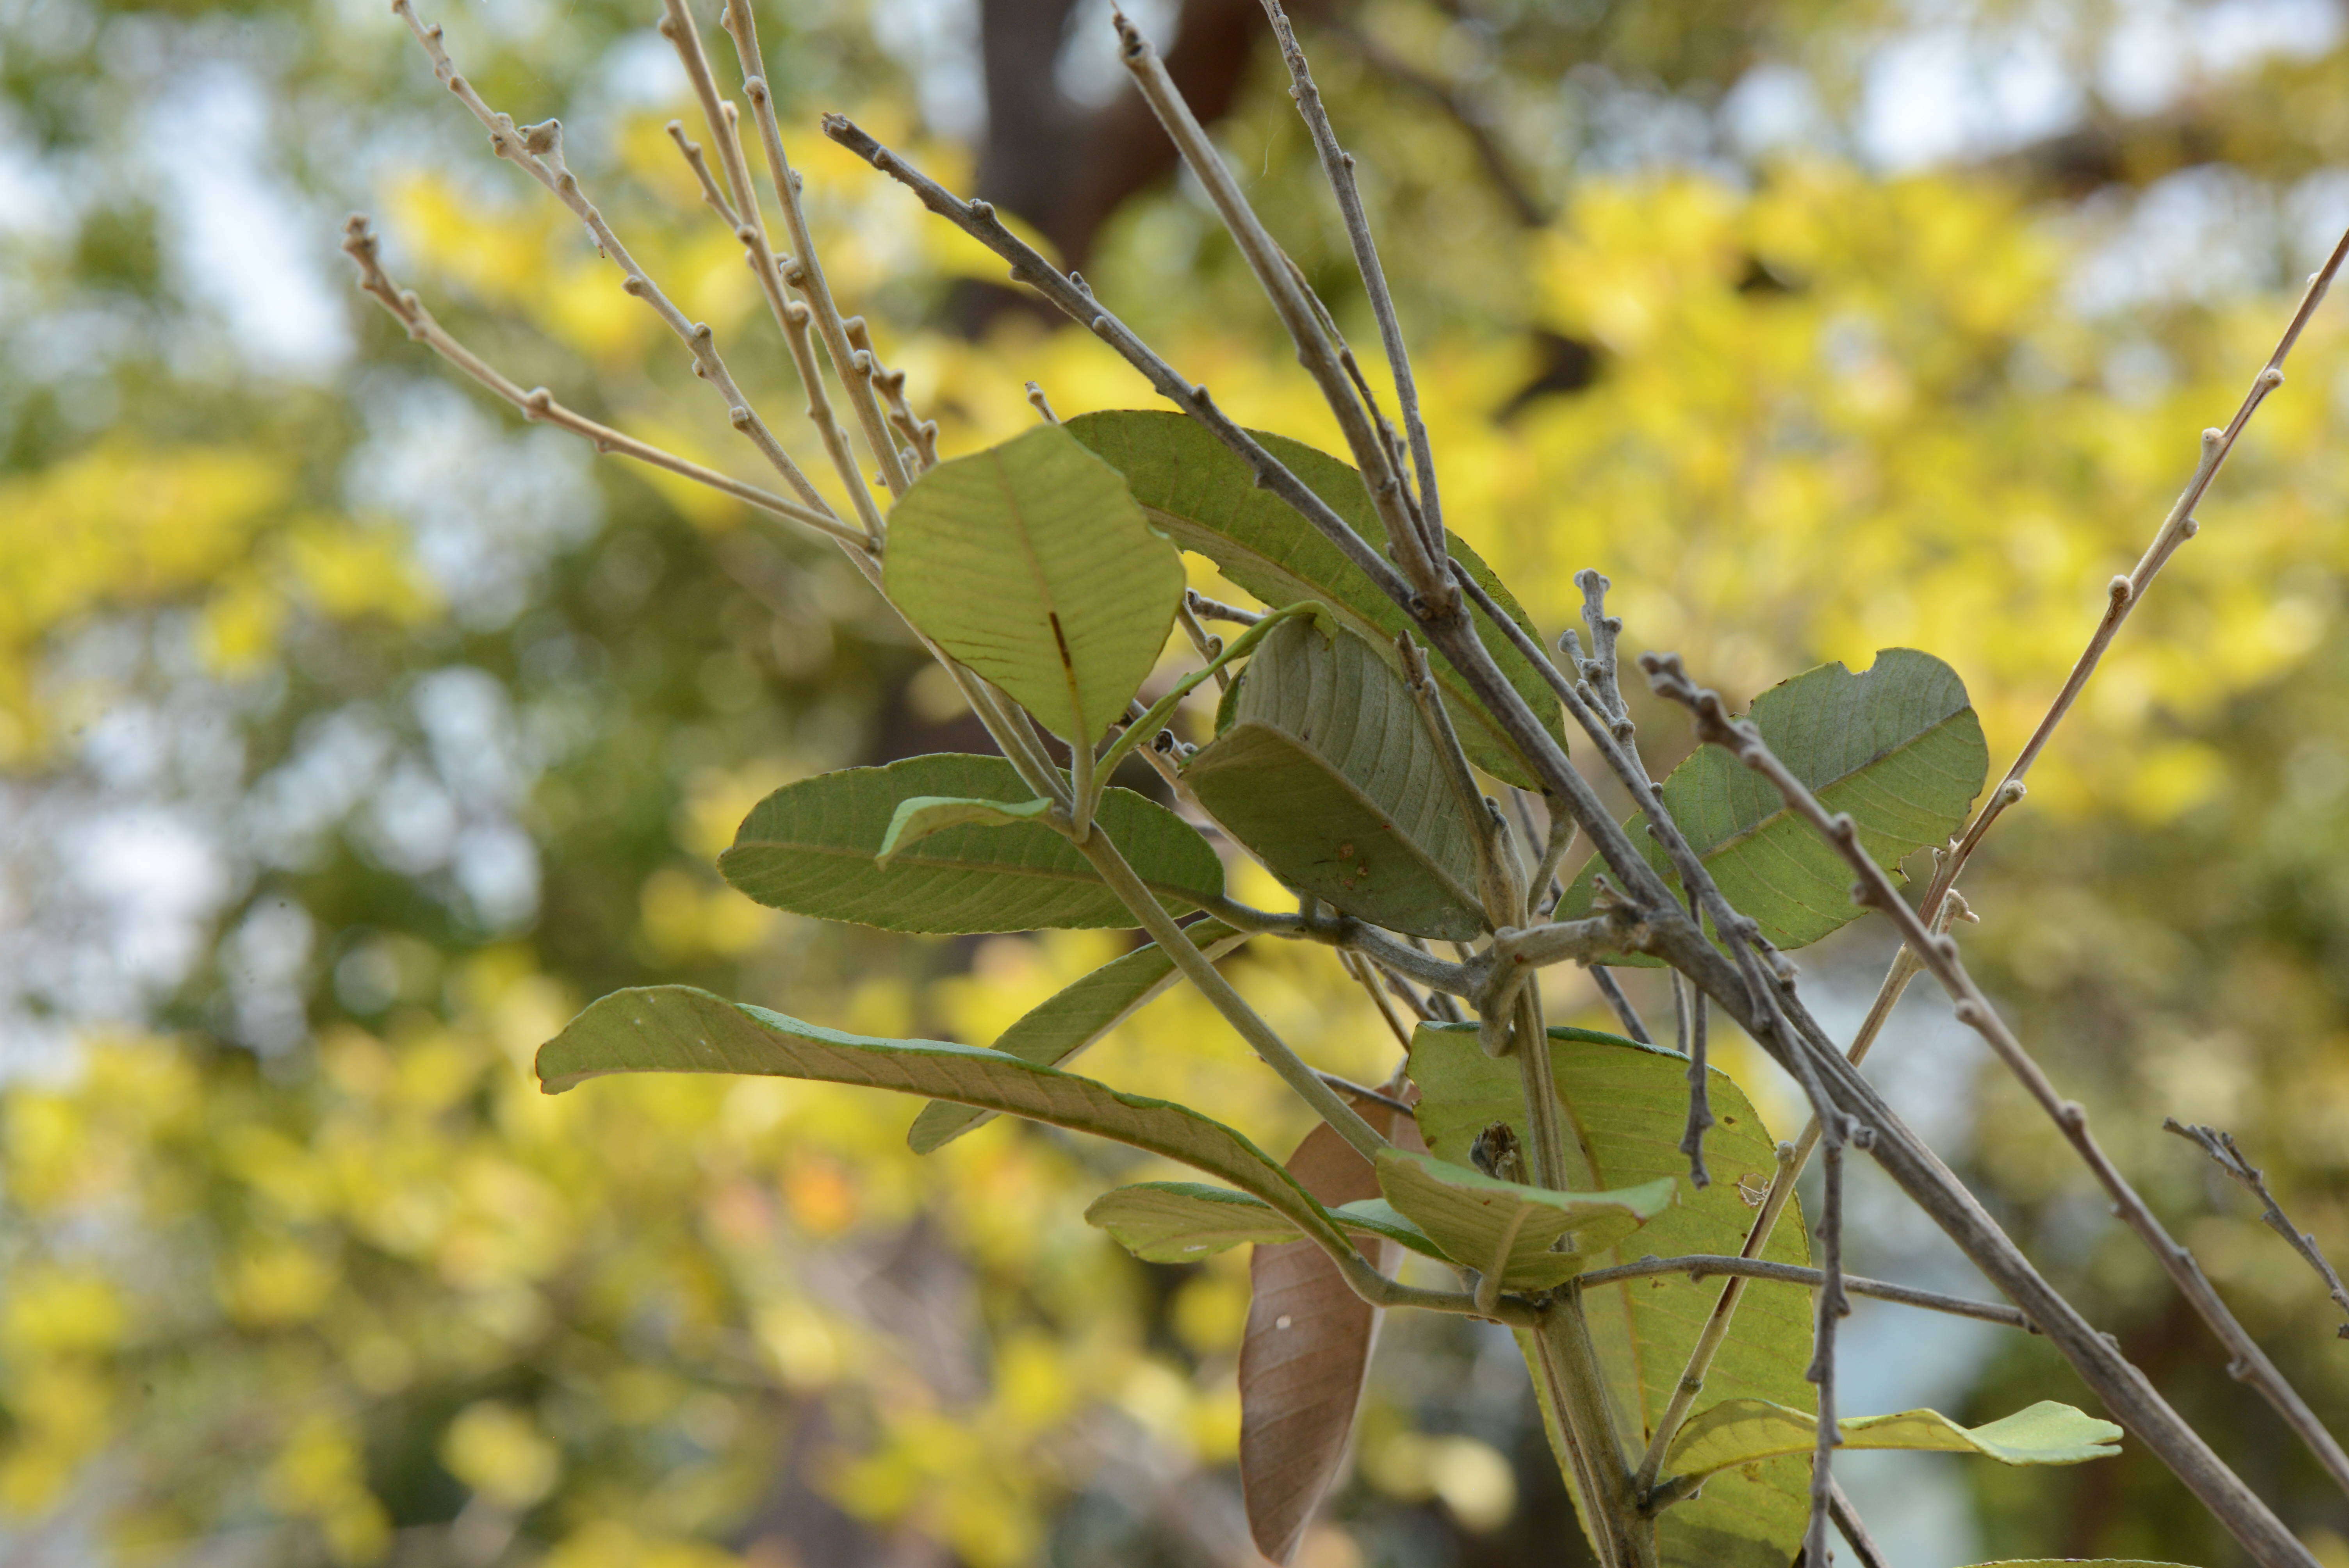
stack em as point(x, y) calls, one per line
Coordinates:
point(749, 226)
point(891, 384)
point(1472, 118)
point(2221, 1149)
point(1208, 609)
point(1713, 1266)
point(1297, 310)
point(537, 152)
point(1847, 1521)
point(1338, 168)
point(804, 272)
point(2248, 1363)
point(539, 405)
point(1626, 1013)
point(1832, 1308)
point(1361, 970)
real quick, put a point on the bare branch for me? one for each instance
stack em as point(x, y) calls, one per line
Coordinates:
point(1626, 1013)
point(2124, 593)
point(1338, 167)
point(2221, 1149)
point(539, 405)
point(1317, 349)
point(804, 272)
point(1855, 1534)
point(1939, 956)
point(891, 385)
point(537, 152)
point(1474, 121)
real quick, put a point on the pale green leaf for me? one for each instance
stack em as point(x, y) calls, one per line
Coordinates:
point(1327, 771)
point(1897, 746)
point(1193, 488)
point(1742, 1432)
point(1057, 1028)
point(1534, 1239)
point(1030, 563)
point(1183, 1222)
point(676, 1029)
point(919, 816)
point(1623, 1106)
point(811, 848)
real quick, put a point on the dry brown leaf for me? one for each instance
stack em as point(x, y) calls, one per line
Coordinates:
point(1307, 1348)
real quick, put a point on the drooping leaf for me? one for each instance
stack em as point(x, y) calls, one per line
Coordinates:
point(1193, 487)
point(811, 848)
point(1540, 1237)
point(1740, 1431)
point(919, 816)
point(1057, 1028)
point(1328, 773)
point(1897, 746)
point(677, 1028)
point(1623, 1106)
point(1030, 563)
point(1184, 1222)
point(1307, 1348)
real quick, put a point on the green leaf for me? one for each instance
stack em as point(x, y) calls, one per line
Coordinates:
point(919, 816)
point(1204, 497)
point(1537, 1238)
point(1183, 1222)
point(1897, 746)
point(1742, 1431)
point(1030, 563)
point(1065, 1022)
point(813, 847)
point(1327, 772)
point(676, 1029)
point(1622, 1106)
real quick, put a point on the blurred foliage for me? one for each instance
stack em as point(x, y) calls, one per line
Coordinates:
point(422, 730)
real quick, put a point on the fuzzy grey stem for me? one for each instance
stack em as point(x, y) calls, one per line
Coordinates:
point(1832, 1309)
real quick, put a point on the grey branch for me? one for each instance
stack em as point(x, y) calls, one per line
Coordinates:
point(2221, 1149)
point(539, 405)
point(1939, 953)
point(1625, 1014)
point(1847, 1521)
point(1708, 1265)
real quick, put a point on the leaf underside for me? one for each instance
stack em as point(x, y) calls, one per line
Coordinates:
point(1329, 774)
point(1030, 563)
point(1623, 1106)
point(677, 1028)
point(809, 848)
point(1897, 746)
point(1057, 1028)
point(1184, 1222)
point(1307, 1348)
point(1740, 1431)
point(1201, 494)
point(1472, 1216)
